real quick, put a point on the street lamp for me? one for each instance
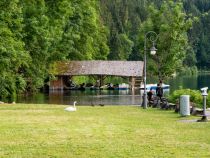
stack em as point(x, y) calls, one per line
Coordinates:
point(152, 36)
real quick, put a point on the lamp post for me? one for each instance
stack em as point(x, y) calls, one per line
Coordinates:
point(152, 36)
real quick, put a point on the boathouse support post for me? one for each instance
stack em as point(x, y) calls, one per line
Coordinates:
point(101, 79)
point(132, 82)
point(57, 84)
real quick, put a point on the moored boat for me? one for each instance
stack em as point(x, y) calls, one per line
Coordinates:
point(154, 86)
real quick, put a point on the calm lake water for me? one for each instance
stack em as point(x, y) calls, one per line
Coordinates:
point(112, 97)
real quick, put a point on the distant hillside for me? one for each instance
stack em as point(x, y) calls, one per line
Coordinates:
point(124, 17)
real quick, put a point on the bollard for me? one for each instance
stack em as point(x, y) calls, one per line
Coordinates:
point(184, 105)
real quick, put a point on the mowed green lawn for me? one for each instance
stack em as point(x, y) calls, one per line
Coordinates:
point(99, 132)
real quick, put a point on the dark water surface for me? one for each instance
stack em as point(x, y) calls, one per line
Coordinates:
point(87, 97)
point(113, 97)
point(192, 82)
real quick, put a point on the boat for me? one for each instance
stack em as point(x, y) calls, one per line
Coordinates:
point(154, 86)
point(123, 86)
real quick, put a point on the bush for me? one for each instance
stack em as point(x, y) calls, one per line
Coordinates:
point(195, 96)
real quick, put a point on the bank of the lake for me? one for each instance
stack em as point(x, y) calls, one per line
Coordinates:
point(109, 131)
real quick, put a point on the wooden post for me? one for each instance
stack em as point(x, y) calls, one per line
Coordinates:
point(102, 78)
point(57, 84)
point(132, 82)
point(61, 86)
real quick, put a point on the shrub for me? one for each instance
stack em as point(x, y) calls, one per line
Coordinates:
point(195, 96)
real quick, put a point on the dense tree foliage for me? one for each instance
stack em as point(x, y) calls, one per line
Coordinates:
point(36, 33)
point(134, 18)
point(171, 25)
point(13, 56)
point(200, 34)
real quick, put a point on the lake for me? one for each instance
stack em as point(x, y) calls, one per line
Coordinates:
point(112, 97)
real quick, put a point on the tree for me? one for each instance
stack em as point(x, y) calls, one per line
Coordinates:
point(122, 17)
point(84, 36)
point(60, 30)
point(171, 24)
point(13, 57)
point(199, 34)
point(37, 41)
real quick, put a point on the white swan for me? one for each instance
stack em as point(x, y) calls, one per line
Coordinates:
point(71, 108)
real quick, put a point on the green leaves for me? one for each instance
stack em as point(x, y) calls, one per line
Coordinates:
point(13, 56)
point(195, 96)
point(36, 33)
point(171, 24)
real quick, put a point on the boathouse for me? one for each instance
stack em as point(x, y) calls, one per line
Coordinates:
point(97, 68)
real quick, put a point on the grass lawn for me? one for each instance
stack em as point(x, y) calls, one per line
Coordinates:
point(99, 132)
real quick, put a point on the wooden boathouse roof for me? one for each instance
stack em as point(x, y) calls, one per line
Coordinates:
point(99, 67)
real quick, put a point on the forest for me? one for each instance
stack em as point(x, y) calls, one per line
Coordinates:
point(37, 33)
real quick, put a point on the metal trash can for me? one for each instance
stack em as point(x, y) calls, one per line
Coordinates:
point(184, 105)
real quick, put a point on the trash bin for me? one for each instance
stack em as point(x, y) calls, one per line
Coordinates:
point(184, 105)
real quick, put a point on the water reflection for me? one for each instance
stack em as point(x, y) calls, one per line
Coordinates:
point(87, 97)
point(183, 82)
point(192, 82)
